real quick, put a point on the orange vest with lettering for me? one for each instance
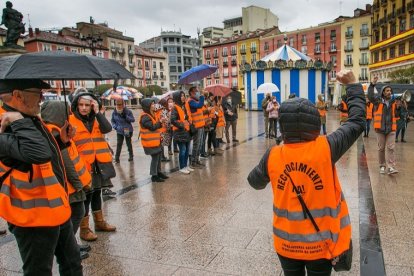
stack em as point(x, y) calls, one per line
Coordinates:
point(149, 138)
point(91, 145)
point(80, 167)
point(33, 199)
point(378, 117)
point(310, 167)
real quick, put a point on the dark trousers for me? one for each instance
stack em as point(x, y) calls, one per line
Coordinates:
point(197, 141)
point(155, 166)
point(119, 143)
point(183, 155)
point(273, 126)
point(212, 139)
point(292, 267)
point(38, 245)
point(94, 200)
point(402, 130)
point(203, 142)
point(233, 125)
point(78, 212)
point(323, 129)
point(367, 127)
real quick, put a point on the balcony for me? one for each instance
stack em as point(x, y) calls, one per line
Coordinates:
point(225, 74)
point(364, 46)
point(215, 55)
point(333, 37)
point(348, 63)
point(233, 74)
point(147, 68)
point(401, 12)
point(132, 64)
point(208, 77)
point(349, 34)
point(225, 64)
point(332, 50)
point(113, 50)
point(391, 17)
point(131, 52)
point(349, 48)
point(121, 51)
point(363, 78)
point(364, 32)
point(162, 77)
point(363, 61)
point(266, 47)
point(233, 63)
point(383, 2)
point(410, 6)
point(224, 54)
point(303, 41)
point(382, 21)
point(243, 51)
point(375, 25)
point(161, 68)
point(216, 75)
point(147, 78)
point(317, 50)
point(233, 53)
point(253, 50)
point(155, 77)
point(139, 65)
point(208, 56)
point(376, 7)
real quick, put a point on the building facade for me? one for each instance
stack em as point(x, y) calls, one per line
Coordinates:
point(151, 68)
point(222, 54)
point(258, 18)
point(38, 41)
point(183, 52)
point(392, 46)
point(355, 42)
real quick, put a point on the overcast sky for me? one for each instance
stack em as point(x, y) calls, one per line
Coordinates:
point(143, 19)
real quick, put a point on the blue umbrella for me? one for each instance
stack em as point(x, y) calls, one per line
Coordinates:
point(196, 73)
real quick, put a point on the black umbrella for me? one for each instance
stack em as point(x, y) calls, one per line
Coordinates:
point(60, 65)
point(236, 97)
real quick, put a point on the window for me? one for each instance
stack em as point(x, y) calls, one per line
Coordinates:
point(333, 34)
point(173, 69)
point(376, 57)
point(333, 60)
point(225, 51)
point(401, 49)
point(154, 65)
point(253, 45)
point(171, 50)
point(60, 48)
point(383, 54)
point(402, 25)
point(46, 47)
point(291, 42)
point(364, 28)
point(266, 46)
point(217, 81)
point(364, 73)
point(384, 33)
point(317, 48)
point(303, 40)
point(234, 82)
point(226, 82)
point(215, 54)
point(411, 46)
point(333, 46)
point(317, 37)
point(179, 69)
point(233, 50)
point(411, 20)
point(171, 39)
point(333, 74)
point(172, 59)
point(254, 58)
point(112, 44)
point(348, 60)
point(392, 52)
point(208, 82)
point(349, 44)
point(304, 49)
point(147, 75)
point(364, 43)
point(161, 66)
point(364, 58)
point(216, 62)
point(393, 29)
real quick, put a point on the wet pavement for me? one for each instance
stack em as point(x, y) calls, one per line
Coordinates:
point(212, 222)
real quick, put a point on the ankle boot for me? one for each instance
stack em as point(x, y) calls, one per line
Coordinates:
point(86, 233)
point(101, 224)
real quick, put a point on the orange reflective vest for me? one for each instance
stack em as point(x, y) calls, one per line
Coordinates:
point(344, 111)
point(33, 199)
point(370, 107)
point(80, 167)
point(221, 122)
point(197, 117)
point(322, 112)
point(181, 116)
point(149, 138)
point(91, 145)
point(378, 117)
point(310, 167)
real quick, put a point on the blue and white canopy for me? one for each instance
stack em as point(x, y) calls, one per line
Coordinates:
point(285, 53)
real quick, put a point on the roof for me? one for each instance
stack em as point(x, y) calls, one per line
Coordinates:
point(106, 30)
point(56, 39)
point(146, 53)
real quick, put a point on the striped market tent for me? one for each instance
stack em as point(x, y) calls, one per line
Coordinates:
point(292, 72)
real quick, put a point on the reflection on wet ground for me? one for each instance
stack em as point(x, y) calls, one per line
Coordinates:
point(212, 223)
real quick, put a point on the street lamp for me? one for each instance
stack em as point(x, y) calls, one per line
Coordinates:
point(93, 43)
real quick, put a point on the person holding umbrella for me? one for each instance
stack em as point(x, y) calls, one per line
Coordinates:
point(91, 126)
point(122, 119)
point(31, 171)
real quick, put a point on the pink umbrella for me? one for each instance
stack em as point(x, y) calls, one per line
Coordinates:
point(218, 90)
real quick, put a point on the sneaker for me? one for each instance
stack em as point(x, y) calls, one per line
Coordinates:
point(107, 192)
point(391, 170)
point(236, 141)
point(382, 170)
point(189, 169)
point(184, 171)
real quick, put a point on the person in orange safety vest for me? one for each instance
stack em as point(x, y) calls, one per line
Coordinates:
point(33, 194)
point(302, 172)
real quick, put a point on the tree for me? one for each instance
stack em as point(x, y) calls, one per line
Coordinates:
point(149, 90)
point(402, 75)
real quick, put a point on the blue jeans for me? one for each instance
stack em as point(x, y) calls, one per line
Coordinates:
point(323, 129)
point(367, 126)
point(183, 155)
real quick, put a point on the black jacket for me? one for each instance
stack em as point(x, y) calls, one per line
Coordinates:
point(339, 141)
point(26, 142)
point(233, 108)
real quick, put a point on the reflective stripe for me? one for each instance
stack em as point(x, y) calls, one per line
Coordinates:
point(315, 237)
point(89, 140)
point(150, 139)
point(316, 213)
point(5, 190)
point(82, 171)
point(87, 152)
point(76, 160)
point(345, 221)
point(102, 151)
point(37, 202)
point(19, 184)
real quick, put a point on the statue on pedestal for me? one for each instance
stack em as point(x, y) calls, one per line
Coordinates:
point(12, 19)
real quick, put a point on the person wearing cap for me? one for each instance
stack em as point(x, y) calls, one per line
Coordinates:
point(91, 126)
point(302, 172)
point(33, 197)
point(385, 125)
